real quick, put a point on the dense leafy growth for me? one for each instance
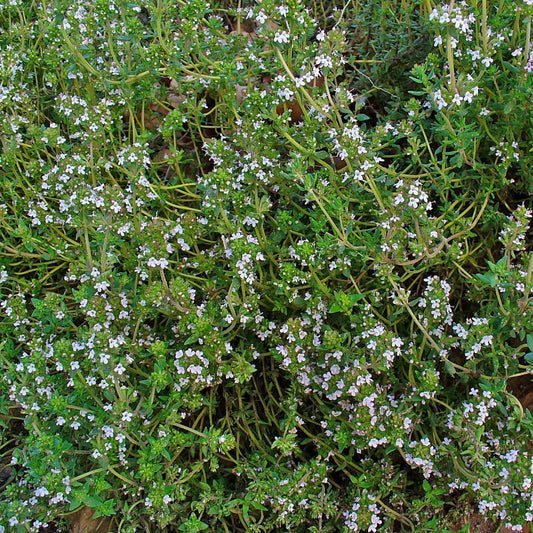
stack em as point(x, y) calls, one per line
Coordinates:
point(265, 267)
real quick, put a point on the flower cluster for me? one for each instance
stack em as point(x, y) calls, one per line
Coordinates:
point(250, 280)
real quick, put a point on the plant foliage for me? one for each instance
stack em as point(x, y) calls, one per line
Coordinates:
point(265, 267)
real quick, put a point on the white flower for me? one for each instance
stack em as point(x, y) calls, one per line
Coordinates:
point(261, 17)
point(41, 492)
point(282, 37)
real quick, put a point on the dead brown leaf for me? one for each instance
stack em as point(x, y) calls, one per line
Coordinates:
point(241, 92)
point(249, 35)
point(527, 401)
point(82, 522)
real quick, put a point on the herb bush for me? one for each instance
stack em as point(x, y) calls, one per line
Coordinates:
point(260, 272)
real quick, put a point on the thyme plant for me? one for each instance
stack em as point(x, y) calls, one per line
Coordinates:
point(259, 276)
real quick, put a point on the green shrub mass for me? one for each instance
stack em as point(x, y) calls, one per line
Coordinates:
point(266, 266)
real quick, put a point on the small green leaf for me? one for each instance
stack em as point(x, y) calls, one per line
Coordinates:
point(191, 340)
point(257, 505)
point(449, 368)
point(529, 358)
point(93, 501)
point(106, 509)
point(490, 278)
point(354, 298)
point(193, 525)
point(335, 308)
point(74, 503)
point(509, 106)
point(529, 340)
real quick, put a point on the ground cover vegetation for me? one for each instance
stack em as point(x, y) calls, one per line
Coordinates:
point(265, 266)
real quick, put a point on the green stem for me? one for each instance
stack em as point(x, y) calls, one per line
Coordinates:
point(528, 44)
point(484, 25)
